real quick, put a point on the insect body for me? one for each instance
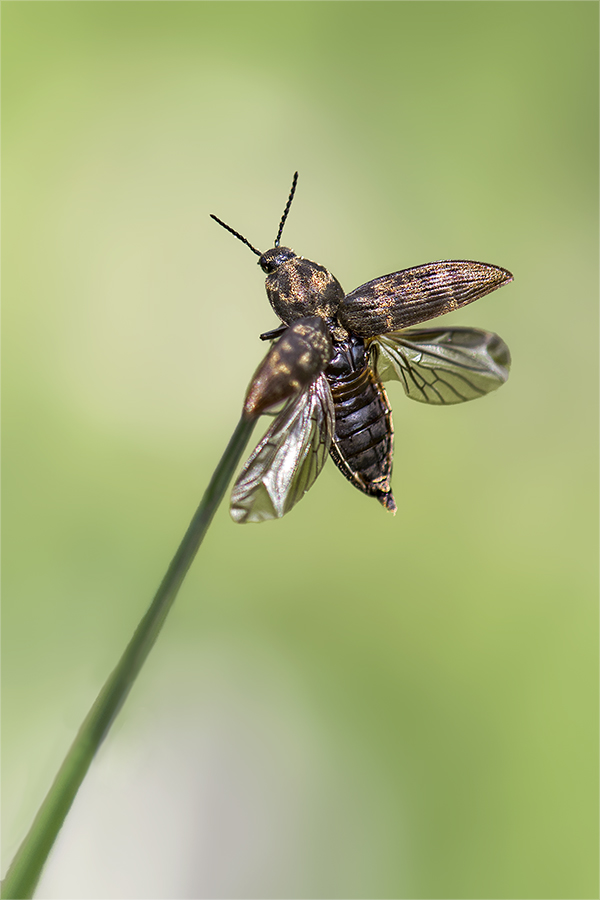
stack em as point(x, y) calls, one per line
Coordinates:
point(329, 360)
point(362, 440)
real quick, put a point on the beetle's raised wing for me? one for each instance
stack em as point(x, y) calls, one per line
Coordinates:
point(287, 461)
point(293, 362)
point(415, 295)
point(443, 366)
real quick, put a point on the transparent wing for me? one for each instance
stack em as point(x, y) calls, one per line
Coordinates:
point(287, 461)
point(415, 295)
point(443, 365)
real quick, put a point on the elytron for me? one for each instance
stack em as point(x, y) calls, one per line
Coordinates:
point(323, 374)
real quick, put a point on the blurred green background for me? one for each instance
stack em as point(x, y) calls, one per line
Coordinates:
point(342, 704)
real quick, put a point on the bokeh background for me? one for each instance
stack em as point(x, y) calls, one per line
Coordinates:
point(342, 704)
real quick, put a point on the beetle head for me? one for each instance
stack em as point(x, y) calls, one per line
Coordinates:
point(296, 287)
point(272, 259)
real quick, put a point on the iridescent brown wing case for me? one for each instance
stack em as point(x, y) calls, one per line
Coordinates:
point(417, 294)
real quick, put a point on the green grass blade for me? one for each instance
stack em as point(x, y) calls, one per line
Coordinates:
point(25, 870)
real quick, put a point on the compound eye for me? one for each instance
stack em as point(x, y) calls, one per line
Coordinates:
point(268, 264)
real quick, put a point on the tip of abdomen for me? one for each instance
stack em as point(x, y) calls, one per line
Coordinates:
point(387, 500)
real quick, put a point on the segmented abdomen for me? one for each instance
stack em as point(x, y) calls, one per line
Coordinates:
point(362, 444)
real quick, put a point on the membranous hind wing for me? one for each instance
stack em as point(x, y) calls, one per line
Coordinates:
point(417, 294)
point(285, 464)
point(443, 366)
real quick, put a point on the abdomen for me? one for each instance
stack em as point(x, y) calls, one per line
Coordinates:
point(362, 444)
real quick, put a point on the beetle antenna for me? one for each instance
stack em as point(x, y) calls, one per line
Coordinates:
point(236, 234)
point(287, 209)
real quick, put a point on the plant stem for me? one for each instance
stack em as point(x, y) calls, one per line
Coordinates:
point(25, 870)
